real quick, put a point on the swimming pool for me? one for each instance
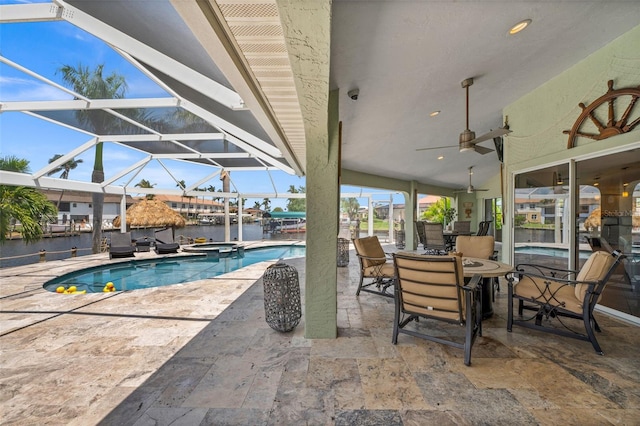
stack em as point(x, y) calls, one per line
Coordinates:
point(550, 251)
point(139, 274)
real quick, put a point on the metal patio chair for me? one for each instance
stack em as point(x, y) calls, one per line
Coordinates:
point(433, 288)
point(553, 293)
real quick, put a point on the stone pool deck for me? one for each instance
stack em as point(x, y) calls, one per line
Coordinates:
point(201, 353)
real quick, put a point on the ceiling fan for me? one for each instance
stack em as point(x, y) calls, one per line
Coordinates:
point(468, 140)
point(470, 189)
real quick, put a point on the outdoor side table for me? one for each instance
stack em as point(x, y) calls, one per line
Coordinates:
point(282, 306)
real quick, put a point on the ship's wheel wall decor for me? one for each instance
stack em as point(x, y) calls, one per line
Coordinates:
point(613, 126)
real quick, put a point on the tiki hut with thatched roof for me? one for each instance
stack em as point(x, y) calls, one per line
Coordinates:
point(151, 214)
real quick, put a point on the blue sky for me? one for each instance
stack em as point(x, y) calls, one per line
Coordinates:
point(46, 46)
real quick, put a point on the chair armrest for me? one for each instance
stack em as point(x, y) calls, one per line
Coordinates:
point(545, 271)
point(362, 256)
point(473, 283)
point(559, 280)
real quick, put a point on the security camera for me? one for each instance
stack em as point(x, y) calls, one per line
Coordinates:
point(353, 94)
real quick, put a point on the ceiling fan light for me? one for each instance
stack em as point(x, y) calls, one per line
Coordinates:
point(466, 146)
point(519, 26)
point(470, 190)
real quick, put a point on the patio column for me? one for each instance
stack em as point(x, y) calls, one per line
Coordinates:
point(323, 205)
point(390, 217)
point(123, 213)
point(240, 208)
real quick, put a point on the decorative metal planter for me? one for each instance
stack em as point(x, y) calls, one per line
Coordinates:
point(282, 297)
point(400, 238)
point(343, 252)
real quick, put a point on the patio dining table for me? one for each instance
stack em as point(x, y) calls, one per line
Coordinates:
point(450, 238)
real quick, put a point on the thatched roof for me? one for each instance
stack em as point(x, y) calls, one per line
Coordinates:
point(151, 214)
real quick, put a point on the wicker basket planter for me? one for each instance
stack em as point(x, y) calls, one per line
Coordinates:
point(282, 297)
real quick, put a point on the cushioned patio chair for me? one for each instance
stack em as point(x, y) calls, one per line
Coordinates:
point(121, 245)
point(375, 266)
point(552, 293)
point(481, 247)
point(165, 243)
point(432, 287)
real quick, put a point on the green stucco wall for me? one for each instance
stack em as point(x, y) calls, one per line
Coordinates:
point(539, 118)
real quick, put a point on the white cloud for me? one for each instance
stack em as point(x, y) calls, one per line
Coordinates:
point(22, 89)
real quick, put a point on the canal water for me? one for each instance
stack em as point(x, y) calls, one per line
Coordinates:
point(30, 253)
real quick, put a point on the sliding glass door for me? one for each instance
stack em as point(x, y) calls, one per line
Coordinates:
point(606, 217)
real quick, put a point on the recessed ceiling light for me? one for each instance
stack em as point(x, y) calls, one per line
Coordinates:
point(441, 157)
point(519, 26)
point(434, 113)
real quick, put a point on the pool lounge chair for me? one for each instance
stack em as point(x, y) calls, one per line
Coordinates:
point(165, 243)
point(121, 245)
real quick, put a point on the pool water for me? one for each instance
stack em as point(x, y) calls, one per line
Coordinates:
point(549, 251)
point(139, 274)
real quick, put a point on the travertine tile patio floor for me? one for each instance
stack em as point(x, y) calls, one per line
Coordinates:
point(202, 354)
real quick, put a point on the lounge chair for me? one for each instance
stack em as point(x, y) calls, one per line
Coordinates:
point(374, 265)
point(165, 243)
point(552, 293)
point(121, 245)
point(432, 287)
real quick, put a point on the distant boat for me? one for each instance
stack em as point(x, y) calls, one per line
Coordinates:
point(52, 228)
point(215, 218)
point(285, 222)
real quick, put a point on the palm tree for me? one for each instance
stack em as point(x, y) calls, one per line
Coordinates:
point(266, 203)
point(296, 204)
point(182, 185)
point(257, 205)
point(22, 204)
point(146, 184)
point(65, 169)
point(93, 85)
point(224, 177)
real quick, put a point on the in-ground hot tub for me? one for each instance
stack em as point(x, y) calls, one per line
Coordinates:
point(215, 249)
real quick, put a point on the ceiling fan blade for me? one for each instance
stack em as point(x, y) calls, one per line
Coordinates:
point(492, 134)
point(437, 147)
point(482, 150)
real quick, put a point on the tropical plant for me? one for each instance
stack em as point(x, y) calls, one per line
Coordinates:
point(440, 211)
point(25, 205)
point(267, 204)
point(350, 206)
point(257, 205)
point(296, 204)
point(93, 85)
point(146, 184)
point(65, 168)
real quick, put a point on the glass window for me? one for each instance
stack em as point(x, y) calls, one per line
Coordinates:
point(541, 224)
